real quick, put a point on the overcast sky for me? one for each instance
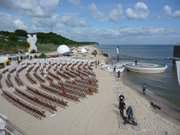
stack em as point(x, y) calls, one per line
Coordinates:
point(104, 21)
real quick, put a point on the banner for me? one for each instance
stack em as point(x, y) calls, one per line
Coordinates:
point(178, 70)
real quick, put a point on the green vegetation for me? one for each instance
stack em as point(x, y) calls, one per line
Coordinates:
point(53, 38)
point(42, 55)
point(48, 47)
point(16, 41)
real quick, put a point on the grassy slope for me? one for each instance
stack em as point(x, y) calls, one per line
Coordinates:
point(47, 47)
point(15, 41)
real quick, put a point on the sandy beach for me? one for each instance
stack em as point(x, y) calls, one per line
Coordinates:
point(95, 115)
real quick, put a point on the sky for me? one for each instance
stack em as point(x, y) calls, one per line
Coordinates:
point(102, 21)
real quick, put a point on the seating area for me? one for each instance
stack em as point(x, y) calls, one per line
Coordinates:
point(44, 85)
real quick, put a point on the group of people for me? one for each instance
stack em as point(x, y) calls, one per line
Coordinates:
point(129, 116)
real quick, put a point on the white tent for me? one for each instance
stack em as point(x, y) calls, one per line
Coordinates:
point(3, 59)
point(63, 49)
point(84, 50)
point(178, 70)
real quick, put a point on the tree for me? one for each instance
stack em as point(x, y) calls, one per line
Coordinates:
point(22, 33)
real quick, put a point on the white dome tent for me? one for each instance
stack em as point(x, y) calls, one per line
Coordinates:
point(84, 50)
point(63, 50)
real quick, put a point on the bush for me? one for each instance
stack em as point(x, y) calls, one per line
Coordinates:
point(42, 55)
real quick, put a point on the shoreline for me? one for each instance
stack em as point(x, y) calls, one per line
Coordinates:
point(144, 112)
point(166, 110)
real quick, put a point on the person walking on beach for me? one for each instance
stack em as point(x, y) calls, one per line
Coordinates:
point(122, 106)
point(136, 62)
point(114, 69)
point(118, 74)
point(144, 88)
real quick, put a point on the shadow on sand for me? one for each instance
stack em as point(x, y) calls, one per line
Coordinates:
point(119, 118)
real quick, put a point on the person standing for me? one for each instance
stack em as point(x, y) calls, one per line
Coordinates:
point(114, 69)
point(135, 62)
point(144, 88)
point(118, 74)
point(122, 106)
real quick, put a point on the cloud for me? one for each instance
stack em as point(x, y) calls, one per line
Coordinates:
point(139, 11)
point(38, 8)
point(75, 2)
point(169, 12)
point(125, 34)
point(114, 15)
point(177, 13)
point(57, 23)
point(73, 21)
point(19, 24)
point(10, 23)
point(6, 22)
point(96, 13)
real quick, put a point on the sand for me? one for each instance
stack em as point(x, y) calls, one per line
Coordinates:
point(95, 115)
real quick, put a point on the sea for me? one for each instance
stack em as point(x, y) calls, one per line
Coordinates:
point(164, 85)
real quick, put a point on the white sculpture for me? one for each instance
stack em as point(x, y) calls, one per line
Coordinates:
point(32, 39)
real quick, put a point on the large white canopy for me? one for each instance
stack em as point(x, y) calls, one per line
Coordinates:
point(3, 59)
point(63, 49)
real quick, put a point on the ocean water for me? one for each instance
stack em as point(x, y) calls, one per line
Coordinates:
point(164, 85)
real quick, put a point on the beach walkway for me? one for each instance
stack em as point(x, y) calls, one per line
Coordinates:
point(95, 115)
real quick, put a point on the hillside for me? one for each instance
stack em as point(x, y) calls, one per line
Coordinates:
point(16, 41)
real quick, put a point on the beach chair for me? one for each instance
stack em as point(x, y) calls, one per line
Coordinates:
point(18, 80)
point(8, 81)
point(59, 92)
point(34, 99)
point(46, 95)
point(39, 78)
point(30, 78)
point(24, 105)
